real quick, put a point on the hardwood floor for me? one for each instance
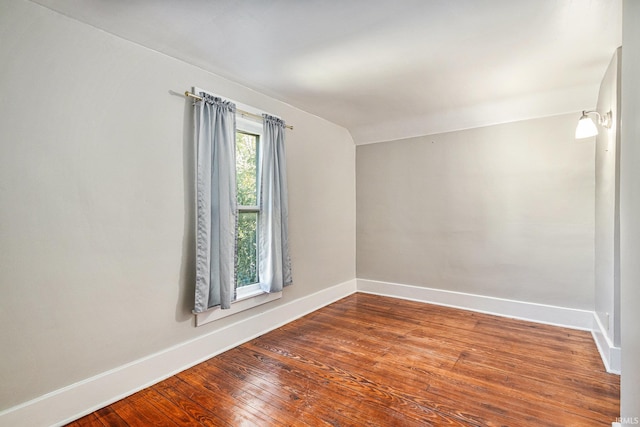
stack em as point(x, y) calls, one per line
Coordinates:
point(370, 360)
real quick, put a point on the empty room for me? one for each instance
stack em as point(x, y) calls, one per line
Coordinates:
point(320, 213)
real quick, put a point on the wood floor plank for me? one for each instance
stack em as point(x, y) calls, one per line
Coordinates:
point(178, 415)
point(394, 372)
point(368, 360)
point(282, 389)
point(350, 382)
point(137, 411)
point(220, 404)
point(90, 420)
point(109, 417)
point(257, 398)
point(356, 406)
point(181, 397)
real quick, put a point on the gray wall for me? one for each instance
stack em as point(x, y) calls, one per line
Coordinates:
point(630, 211)
point(96, 201)
point(607, 203)
point(503, 211)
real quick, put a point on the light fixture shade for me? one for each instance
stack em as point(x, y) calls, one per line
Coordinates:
point(586, 128)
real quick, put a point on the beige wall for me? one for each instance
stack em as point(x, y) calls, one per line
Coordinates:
point(503, 211)
point(96, 201)
point(607, 223)
point(630, 212)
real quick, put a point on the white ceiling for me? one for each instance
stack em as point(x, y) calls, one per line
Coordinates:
point(385, 69)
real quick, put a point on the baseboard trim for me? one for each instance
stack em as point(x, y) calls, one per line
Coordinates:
point(74, 401)
point(610, 354)
point(540, 313)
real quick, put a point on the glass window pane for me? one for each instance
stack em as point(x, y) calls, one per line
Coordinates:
point(246, 168)
point(247, 248)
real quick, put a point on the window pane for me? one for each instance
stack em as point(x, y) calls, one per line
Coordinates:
point(247, 248)
point(246, 168)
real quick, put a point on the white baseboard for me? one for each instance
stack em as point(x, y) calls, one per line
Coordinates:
point(66, 404)
point(610, 354)
point(540, 313)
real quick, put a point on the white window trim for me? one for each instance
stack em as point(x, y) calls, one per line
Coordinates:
point(250, 296)
point(248, 291)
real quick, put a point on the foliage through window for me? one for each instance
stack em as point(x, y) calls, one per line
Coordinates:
point(247, 149)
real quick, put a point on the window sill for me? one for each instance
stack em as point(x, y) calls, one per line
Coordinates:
point(244, 302)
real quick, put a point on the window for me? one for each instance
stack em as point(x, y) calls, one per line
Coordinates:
point(256, 281)
point(248, 137)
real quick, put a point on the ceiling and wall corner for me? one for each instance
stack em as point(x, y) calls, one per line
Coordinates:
point(385, 70)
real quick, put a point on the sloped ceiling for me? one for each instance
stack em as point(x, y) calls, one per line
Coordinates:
point(385, 69)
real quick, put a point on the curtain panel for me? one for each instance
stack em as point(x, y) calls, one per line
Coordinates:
point(275, 263)
point(216, 205)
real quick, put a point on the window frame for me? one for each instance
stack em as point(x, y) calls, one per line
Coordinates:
point(252, 127)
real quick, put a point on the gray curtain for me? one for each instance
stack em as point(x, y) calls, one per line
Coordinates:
point(275, 264)
point(216, 203)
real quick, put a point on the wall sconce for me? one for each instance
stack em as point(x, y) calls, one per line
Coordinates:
point(587, 128)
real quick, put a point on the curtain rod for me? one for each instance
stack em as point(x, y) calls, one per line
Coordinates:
point(242, 112)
